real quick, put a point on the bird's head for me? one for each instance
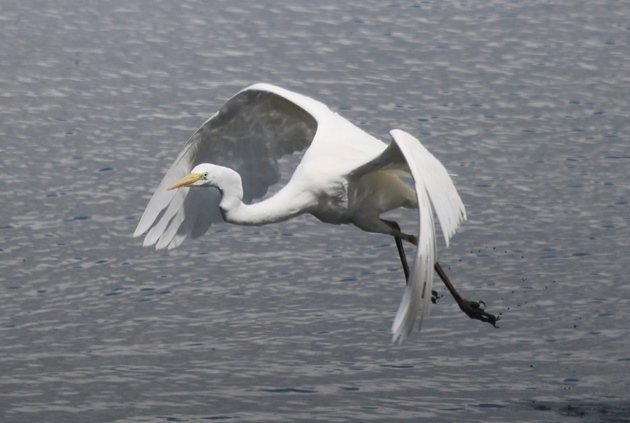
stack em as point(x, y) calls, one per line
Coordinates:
point(207, 175)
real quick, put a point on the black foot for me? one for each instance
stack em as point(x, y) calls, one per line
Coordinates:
point(435, 296)
point(474, 310)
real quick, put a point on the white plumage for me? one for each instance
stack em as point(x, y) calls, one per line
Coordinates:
point(345, 176)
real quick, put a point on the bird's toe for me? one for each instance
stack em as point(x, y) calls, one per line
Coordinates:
point(475, 310)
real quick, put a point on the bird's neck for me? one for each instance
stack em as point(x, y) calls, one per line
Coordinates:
point(274, 209)
point(279, 207)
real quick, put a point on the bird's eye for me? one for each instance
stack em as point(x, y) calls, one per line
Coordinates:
point(205, 175)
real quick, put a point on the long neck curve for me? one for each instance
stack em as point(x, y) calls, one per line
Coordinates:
point(279, 207)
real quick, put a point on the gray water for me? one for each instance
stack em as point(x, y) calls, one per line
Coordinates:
point(526, 102)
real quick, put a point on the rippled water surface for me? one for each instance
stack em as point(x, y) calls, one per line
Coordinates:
point(526, 102)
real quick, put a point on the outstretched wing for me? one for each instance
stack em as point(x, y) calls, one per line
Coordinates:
point(249, 134)
point(437, 195)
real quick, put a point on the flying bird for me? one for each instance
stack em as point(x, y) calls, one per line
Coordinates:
point(345, 176)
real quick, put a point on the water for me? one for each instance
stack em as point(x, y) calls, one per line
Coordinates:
point(526, 102)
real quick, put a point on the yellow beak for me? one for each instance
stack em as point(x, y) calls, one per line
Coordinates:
point(187, 180)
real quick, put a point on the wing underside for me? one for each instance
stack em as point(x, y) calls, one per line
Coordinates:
point(251, 133)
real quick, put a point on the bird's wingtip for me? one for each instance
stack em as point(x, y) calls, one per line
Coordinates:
point(398, 338)
point(397, 132)
point(147, 242)
point(262, 86)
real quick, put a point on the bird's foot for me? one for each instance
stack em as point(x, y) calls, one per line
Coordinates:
point(474, 310)
point(435, 296)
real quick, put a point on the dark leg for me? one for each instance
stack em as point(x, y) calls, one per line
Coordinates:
point(435, 296)
point(403, 257)
point(472, 309)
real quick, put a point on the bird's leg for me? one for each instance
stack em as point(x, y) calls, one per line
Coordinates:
point(435, 296)
point(473, 309)
point(403, 257)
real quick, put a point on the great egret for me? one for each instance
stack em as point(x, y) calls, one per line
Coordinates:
point(345, 176)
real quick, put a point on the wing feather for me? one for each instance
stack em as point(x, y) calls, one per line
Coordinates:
point(250, 134)
point(446, 202)
point(436, 194)
point(417, 296)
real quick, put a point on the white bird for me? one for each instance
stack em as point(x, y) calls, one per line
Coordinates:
point(345, 176)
